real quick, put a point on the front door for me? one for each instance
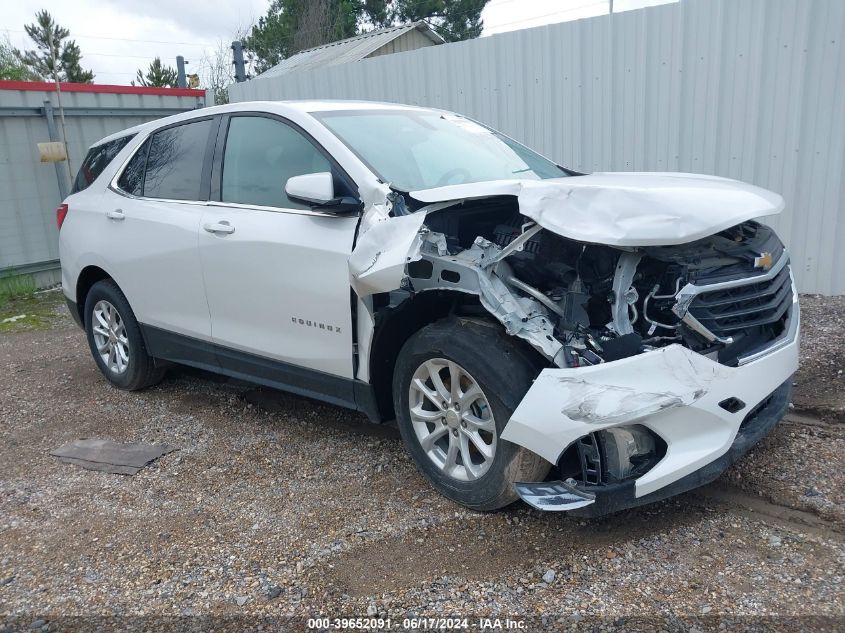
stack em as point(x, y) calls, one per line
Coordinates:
point(276, 273)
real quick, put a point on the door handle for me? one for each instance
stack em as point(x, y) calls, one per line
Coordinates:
point(219, 227)
point(117, 214)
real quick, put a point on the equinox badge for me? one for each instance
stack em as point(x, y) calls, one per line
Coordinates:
point(316, 324)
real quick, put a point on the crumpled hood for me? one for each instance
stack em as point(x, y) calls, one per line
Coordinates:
point(626, 208)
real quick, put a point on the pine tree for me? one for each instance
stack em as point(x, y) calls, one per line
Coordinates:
point(53, 58)
point(158, 76)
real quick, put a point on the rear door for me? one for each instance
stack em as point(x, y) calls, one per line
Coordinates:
point(276, 273)
point(151, 221)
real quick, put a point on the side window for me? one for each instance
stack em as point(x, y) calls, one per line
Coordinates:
point(175, 160)
point(260, 155)
point(97, 160)
point(132, 178)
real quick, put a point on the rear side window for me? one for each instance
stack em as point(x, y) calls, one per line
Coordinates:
point(175, 160)
point(132, 178)
point(261, 154)
point(97, 160)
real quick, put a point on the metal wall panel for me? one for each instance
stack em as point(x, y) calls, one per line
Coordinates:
point(29, 192)
point(747, 89)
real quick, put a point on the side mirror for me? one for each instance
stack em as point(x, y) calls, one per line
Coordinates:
point(311, 188)
point(318, 191)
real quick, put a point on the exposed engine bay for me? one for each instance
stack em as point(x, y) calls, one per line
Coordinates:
point(584, 304)
point(663, 316)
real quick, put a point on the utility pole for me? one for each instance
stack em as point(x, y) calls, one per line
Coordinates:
point(181, 80)
point(59, 103)
point(238, 61)
point(611, 7)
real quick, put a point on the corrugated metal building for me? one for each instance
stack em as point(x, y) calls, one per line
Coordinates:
point(396, 39)
point(748, 89)
point(30, 190)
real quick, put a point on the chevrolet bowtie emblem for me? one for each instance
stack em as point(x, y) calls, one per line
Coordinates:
point(764, 261)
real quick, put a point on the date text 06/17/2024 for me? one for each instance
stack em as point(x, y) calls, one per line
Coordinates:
point(417, 624)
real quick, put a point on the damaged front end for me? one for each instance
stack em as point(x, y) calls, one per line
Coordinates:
point(661, 356)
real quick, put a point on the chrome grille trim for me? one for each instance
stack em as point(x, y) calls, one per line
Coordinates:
point(686, 295)
point(789, 334)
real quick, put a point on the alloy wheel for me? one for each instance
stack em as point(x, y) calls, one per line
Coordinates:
point(452, 419)
point(110, 337)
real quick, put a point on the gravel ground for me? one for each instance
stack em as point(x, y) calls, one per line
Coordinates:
point(280, 506)
point(820, 381)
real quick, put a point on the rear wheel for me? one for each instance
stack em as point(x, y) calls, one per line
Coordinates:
point(115, 339)
point(455, 386)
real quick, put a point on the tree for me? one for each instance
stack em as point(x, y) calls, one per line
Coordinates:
point(11, 68)
point(294, 25)
point(453, 20)
point(158, 76)
point(217, 71)
point(53, 58)
point(217, 68)
point(291, 26)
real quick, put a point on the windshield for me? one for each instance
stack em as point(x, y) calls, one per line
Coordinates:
point(417, 149)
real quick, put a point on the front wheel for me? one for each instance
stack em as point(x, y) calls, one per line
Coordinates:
point(455, 386)
point(115, 339)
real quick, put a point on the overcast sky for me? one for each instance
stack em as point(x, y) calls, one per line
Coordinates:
point(119, 36)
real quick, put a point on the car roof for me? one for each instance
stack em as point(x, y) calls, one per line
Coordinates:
point(345, 104)
point(277, 107)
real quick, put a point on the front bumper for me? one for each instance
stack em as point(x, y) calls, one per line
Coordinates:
point(613, 498)
point(675, 393)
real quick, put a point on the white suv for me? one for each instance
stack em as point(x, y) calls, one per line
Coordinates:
point(586, 342)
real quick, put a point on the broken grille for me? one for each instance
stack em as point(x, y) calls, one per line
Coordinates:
point(739, 307)
point(589, 456)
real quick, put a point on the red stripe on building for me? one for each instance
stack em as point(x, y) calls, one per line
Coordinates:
point(100, 88)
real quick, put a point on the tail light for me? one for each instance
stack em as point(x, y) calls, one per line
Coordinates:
point(61, 212)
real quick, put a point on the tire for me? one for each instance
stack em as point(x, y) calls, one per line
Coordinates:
point(127, 366)
point(480, 353)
